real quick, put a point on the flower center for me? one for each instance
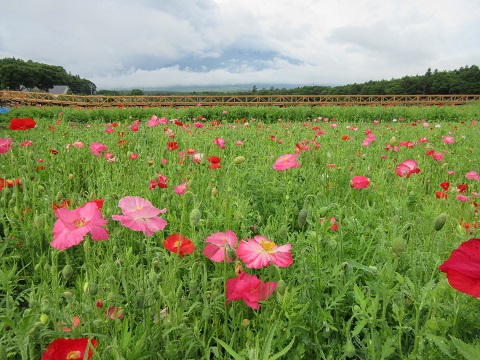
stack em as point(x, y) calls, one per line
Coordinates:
point(267, 245)
point(79, 223)
point(75, 354)
point(178, 243)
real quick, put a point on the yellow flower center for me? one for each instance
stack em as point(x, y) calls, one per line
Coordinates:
point(79, 223)
point(178, 243)
point(267, 245)
point(75, 354)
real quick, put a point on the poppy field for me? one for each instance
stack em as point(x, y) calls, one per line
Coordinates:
point(238, 233)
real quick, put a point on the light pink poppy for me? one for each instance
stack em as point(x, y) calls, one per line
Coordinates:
point(286, 161)
point(140, 215)
point(26, 143)
point(72, 226)
point(259, 252)
point(153, 121)
point(250, 289)
point(472, 175)
point(5, 145)
point(462, 198)
point(96, 148)
point(239, 143)
point(408, 167)
point(220, 142)
point(437, 156)
point(218, 245)
point(360, 182)
point(78, 144)
point(180, 189)
point(448, 140)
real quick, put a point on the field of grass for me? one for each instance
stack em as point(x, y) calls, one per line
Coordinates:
point(365, 280)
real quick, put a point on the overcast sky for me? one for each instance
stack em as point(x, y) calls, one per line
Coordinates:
point(160, 43)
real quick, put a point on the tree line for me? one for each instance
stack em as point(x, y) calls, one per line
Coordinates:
point(17, 73)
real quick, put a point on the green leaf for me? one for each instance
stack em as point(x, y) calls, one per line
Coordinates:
point(227, 347)
point(283, 351)
point(468, 351)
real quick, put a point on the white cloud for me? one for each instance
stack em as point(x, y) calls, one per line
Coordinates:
point(151, 43)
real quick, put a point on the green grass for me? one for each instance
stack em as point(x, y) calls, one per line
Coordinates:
point(369, 290)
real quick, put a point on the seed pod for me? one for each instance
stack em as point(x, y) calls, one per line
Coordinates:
point(195, 217)
point(67, 271)
point(44, 318)
point(302, 217)
point(90, 289)
point(440, 221)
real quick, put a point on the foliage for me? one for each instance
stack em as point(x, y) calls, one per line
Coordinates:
point(15, 73)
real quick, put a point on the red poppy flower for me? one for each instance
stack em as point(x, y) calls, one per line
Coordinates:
point(177, 243)
point(2, 183)
point(462, 188)
point(463, 268)
point(345, 137)
point(13, 182)
point(172, 145)
point(179, 123)
point(214, 162)
point(441, 195)
point(69, 349)
point(22, 124)
point(64, 205)
point(445, 185)
point(53, 151)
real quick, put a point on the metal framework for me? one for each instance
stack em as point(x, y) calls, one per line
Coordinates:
point(100, 101)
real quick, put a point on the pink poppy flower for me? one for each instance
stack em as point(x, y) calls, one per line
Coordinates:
point(72, 226)
point(140, 215)
point(5, 145)
point(220, 142)
point(462, 198)
point(250, 289)
point(96, 148)
point(133, 156)
point(26, 143)
point(463, 268)
point(180, 189)
point(153, 121)
point(360, 182)
point(437, 156)
point(218, 245)
point(286, 161)
point(408, 167)
point(259, 252)
point(448, 140)
point(78, 144)
point(239, 143)
point(472, 175)
point(198, 125)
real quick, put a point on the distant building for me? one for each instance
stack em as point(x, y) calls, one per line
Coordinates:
point(58, 90)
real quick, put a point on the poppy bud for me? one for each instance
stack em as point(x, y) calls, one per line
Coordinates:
point(90, 289)
point(238, 267)
point(440, 221)
point(393, 140)
point(322, 211)
point(302, 217)
point(67, 271)
point(245, 322)
point(460, 230)
point(150, 162)
point(239, 159)
point(44, 319)
point(398, 246)
point(232, 253)
point(282, 233)
point(70, 177)
point(59, 196)
point(37, 220)
point(349, 349)
point(214, 192)
point(195, 217)
point(41, 188)
point(281, 287)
